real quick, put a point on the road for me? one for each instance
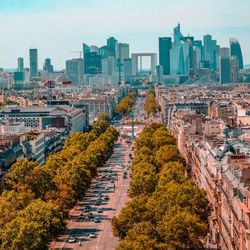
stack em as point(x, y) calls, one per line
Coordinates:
point(80, 228)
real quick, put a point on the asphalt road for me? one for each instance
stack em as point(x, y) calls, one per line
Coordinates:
point(80, 228)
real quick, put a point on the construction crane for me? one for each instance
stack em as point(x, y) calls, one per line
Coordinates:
point(80, 52)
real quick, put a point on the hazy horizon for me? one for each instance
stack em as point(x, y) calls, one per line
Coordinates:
point(58, 28)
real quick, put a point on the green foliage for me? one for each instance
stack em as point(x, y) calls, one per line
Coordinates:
point(150, 106)
point(33, 212)
point(167, 211)
point(7, 102)
point(34, 227)
point(103, 116)
point(126, 103)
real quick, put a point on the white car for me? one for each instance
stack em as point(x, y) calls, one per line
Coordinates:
point(92, 235)
point(72, 240)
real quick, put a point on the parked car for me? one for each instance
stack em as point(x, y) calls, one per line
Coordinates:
point(92, 235)
point(72, 240)
point(106, 197)
point(90, 215)
point(99, 210)
point(97, 220)
point(81, 216)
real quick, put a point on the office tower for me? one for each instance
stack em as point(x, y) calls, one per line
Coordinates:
point(122, 51)
point(224, 66)
point(127, 69)
point(180, 59)
point(234, 68)
point(20, 64)
point(178, 37)
point(104, 51)
point(95, 49)
point(198, 43)
point(214, 55)
point(197, 57)
point(197, 50)
point(217, 57)
point(75, 70)
point(180, 54)
point(108, 66)
point(235, 50)
point(105, 66)
point(47, 66)
point(18, 77)
point(159, 73)
point(33, 63)
point(92, 63)
point(85, 49)
point(165, 44)
point(111, 46)
point(208, 49)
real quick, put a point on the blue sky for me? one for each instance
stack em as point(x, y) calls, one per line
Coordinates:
point(57, 27)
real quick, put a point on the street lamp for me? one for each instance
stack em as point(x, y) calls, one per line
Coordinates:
point(133, 132)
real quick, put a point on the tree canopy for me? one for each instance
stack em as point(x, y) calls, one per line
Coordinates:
point(37, 201)
point(167, 211)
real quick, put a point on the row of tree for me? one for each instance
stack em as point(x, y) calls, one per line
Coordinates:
point(126, 103)
point(167, 211)
point(36, 203)
point(150, 106)
point(7, 102)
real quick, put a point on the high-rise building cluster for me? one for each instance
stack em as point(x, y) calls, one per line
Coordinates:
point(109, 63)
point(185, 56)
point(182, 59)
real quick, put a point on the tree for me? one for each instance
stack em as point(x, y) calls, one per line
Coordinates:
point(34, 227)
point(168, 153)
point(19, 173)
point(134, 212)
point(144, 179)
point(180, 229)
point(103, 116)
point(143, 236)
point(11, 203)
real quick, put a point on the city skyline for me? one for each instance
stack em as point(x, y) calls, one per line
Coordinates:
point(58, 28)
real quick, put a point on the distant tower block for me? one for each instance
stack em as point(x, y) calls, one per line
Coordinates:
point(140, 55)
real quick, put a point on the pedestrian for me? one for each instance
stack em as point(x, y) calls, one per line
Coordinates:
point(80, 243)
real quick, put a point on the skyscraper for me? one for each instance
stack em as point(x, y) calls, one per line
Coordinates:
point(207, 48)
point(178, 37)
point(104, 51)
point(127, 69)
point(33, 63)
point(159, 73)
point(20, 64)
point(85, 49)
point(92, 63)
point(47, 66)
point(165, 44)
point(75, 69)
point(95, 49)
point(180, 54)
point(224, 66)
point(235, 50)
point(111, 46)
point(122, 51)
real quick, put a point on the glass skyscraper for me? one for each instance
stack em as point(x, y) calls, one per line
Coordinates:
point(33, 63)
point(235, 50)
point(165, 44)
point(20, 64)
